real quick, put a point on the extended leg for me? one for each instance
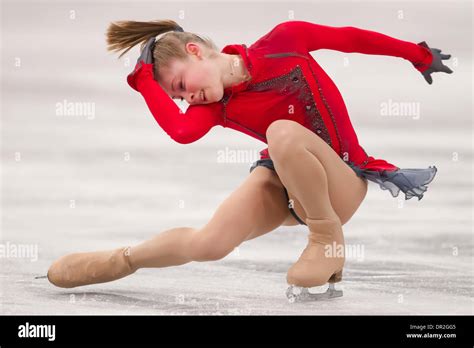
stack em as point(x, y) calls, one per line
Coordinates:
point(254, 208)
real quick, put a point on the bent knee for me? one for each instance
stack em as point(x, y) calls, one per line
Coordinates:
point(280, 135)
point(281, 130)
point(205, 248)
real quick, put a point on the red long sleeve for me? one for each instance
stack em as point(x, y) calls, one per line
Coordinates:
point(351, 39)
point(182, 127)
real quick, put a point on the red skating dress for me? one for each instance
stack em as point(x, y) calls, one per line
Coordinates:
point(287, 83)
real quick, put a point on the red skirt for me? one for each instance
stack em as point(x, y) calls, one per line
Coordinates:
point(411, 181)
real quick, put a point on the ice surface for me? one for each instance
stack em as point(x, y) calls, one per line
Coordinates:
point(73, 190)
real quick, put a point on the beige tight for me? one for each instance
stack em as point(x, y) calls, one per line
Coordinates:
point(256, 207)
point(318, 181)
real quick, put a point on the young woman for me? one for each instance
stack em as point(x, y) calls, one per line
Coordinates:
point(313, 172)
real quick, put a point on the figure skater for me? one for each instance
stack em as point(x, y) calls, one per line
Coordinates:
point(313, 172)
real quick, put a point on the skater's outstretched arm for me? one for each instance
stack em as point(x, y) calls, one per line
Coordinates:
point(350, 39)
point(182, 127)
point(309, 36)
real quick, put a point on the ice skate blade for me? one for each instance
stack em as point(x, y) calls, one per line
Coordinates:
point(303, 295)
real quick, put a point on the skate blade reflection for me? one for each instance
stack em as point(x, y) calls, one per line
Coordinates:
point(301, 294)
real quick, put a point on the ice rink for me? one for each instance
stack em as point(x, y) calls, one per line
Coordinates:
point(109, 176)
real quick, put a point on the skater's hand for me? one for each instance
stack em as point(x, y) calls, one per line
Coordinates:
point(144, 63)
point(436, 64)
point(146, 55)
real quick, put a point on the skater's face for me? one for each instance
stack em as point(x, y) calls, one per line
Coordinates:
point(196, 79)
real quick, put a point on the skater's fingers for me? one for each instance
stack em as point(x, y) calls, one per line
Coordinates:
point(428, 78)
point(446, 69)
point(147, 52)
point(151, 41)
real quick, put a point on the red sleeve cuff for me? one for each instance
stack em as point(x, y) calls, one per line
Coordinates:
point(140, 72)
point(425, 63)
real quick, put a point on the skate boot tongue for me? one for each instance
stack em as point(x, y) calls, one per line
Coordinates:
point(319, 264)
point(322, 231)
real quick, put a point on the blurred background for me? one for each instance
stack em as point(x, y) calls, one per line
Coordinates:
point(104, 174)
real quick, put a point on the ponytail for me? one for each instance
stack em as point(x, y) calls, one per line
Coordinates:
point(124, 35)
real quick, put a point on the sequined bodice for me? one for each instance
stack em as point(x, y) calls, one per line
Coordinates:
point(285, 96)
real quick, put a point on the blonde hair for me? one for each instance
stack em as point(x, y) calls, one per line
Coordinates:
point(124, 35)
